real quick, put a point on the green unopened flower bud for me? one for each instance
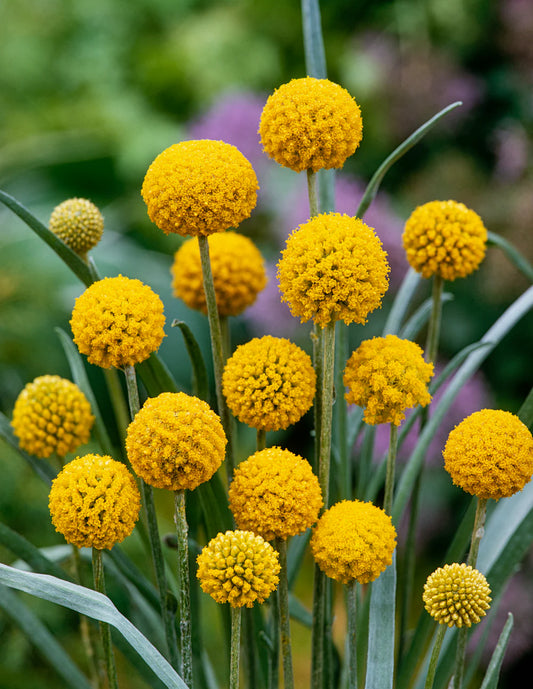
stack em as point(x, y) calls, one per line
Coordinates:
point(79, 223)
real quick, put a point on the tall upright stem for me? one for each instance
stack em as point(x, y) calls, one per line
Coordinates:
point(432, 343)
point(182, 530)
point(105, 631)
point(235, 648)
point(288, 675)
point(391, 462)
point(352, 648)
point(260, 443)
point(312, 192)
point(437, 645)
point(477, 531)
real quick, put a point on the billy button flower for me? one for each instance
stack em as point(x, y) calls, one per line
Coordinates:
point(333, 268)
point(310, 124)
point(52, 415)
point(118, 322)
point(79, 223)
point(199, 187)
point(444, 238)
point(94, 502)
point(238, 273)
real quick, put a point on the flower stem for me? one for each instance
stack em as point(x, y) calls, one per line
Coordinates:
point(457, 679)
point(432, 342)
point(326, 385)
point(312, 192)
point(235, 648)
point(391, 461)
point(217, 347)
point(318, 629)
point(118, 402)
point(352, 648)
point(273, 666)
point(261, 440)
point(105, 631)
point(288, 675)
point(477, 531)
point(437, 645)
point(180, 519)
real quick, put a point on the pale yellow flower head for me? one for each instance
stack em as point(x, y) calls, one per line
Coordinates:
point(79, 223)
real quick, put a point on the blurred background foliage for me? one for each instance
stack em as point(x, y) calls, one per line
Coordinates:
point(93, 91)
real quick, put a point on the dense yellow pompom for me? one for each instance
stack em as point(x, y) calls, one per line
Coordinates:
point(275, 494)
point(269, 383)
point(353, 540)
point(333, 268)
point(52, 414)
point(490, 454)
point(238, 273)
point(310, 124)
point(94, 502)
point(175, 441)
point(239, 568)
point(199, 187)
point(444, 238)
point(386, 376)
point(118, 322)
point(79, 223)
point(456, 595)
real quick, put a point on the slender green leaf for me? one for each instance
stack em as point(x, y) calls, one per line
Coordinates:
point(490, 681)
point(35, 557)
point(380, 654)
point(94, 605)
point(155, 376)
point(73, 261)
point(200, 381)
point(401, 302)
point(525, 413)
point(134, 575)
point(41, 467)
point(41, 638)
point(418, 320)
point(299, 612)
point(295, 554)
point(315, 55)
point(512, 253)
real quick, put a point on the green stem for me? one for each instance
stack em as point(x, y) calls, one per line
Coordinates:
point(261, 440)
point(477, 531)
point(273, 666)
point(180, 519)
point(317, 634)
point(351, 612)
point(437, 645)
point(217, 348)
point(457, 679)
point(391, 462)
point(326, 385)
point(312, 192)
point(116, 394)
point(105, 631)
point(341, 414)
point(432, 343)
point(235, 648)
point(288, 675)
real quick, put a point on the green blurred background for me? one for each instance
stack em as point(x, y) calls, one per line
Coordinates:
point(92, 91)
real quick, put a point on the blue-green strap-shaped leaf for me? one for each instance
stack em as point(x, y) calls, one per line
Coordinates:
point(200, 381)
point(380, 654)
point(41, 467)
point(30, 554)
point(94, 605)
point(490, 681)
point(155, 376)
point(73, 261)
point(525, 413)
point(315, 55)
point(401, 302)
point(512, 254)
point(418, 320)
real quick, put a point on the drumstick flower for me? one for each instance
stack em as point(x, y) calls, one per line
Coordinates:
point(79, 223)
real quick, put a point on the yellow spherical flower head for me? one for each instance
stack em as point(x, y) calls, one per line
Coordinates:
point(353, 540)
point(118, 322)
point(269, 383)
point(239, 568)
point(175, 441)
point(238, 273)
point(456, 595)
point(52, 415)
point(386, 376)
point(444, 238)
point(310, 124)
point(94, 502)
point(333, 268)
point(199, 187)
point(79, 223)
point(490, 454)
point(275, 494)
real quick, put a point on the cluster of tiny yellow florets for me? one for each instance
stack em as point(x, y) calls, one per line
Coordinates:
point(79, 223)
point(175, 441)
point(275, 494)
point(239, 568)
point(353, 540)
point(444, 238)
point(310, 124)
point(386, 376)
point(269, 383)
point(490, 454)
point(118, 322)
point(333, 268)
point(94, 502)
point(199, 187)
point(238, 273)
point(456, 595)
point(52, 415)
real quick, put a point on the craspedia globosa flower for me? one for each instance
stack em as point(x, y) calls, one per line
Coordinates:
point(457, 595)
point(239, 568)
point(275, 494)
point(269, 383)
point(386, 376)
point(238, 273)
point(175, 441)
point(353, 541)
point(79, 223)
point(199, 187)
point(118, 322)
point(490, 454)
point(94, 502)
point(444, 238)
point(52, 415)
point(310, 124)
point(333, 268)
